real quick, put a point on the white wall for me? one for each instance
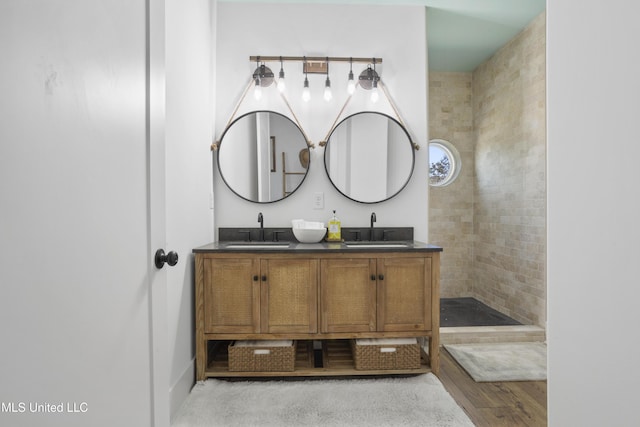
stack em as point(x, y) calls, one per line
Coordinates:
point(189, 130)
point(397, 34)
point(593, 232)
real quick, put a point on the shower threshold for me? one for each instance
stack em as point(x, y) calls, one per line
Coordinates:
point(467, 320)
point(456, 312)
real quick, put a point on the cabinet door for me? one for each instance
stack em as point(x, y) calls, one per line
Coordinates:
point(404, 294)
point(348, 295)
point(289, 301)
point(231, 295)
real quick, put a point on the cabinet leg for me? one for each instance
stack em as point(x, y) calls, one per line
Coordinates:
point(201, 357)
point(434, 354)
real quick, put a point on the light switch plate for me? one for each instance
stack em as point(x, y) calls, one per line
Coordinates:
point(318, 200)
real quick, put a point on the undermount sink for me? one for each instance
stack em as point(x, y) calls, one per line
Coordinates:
point(374, 244)
point(256, 245)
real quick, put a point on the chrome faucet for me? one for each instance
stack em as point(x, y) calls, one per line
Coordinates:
point(373, 219)
point(261, 221)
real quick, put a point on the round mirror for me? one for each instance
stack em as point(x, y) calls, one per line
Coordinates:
point(259, 156)
point(369, 157)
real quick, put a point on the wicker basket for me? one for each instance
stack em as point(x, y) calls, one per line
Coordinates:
point(380, 354)
point(262, 356)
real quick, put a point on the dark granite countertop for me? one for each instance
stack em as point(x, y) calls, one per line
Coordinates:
point(326, 247)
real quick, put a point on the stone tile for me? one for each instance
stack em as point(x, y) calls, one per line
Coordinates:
point(491, 221)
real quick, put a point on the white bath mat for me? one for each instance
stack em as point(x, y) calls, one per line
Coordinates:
point(487, 362)
point(419, 401)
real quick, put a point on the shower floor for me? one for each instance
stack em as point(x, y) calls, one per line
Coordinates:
point(471, 312)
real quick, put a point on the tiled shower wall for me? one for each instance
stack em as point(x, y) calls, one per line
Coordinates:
point(451, 207)
point(501, 192)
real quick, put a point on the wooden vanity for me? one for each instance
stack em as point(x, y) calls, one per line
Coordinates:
point(323, 293)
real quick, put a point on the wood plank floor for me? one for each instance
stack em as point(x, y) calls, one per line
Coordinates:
point(514, 403)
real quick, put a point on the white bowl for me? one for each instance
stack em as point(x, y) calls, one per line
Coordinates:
point(301, 223)
point(297, 223)
point(309, 235)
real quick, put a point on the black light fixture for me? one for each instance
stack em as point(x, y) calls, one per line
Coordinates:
point(327, 86)
point(369, 80)
point(351, 84)
point(263, 77)
point(306, 94)
point(281, 84)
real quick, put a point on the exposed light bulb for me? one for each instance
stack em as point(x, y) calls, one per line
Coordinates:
point(281, 84)
point(306, 94)
point(327, 90)
point(257, 93)
point(374, 92)
point(351, 85)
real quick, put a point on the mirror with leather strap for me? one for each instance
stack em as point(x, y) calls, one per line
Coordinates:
point(369, 157)
point(263, 156)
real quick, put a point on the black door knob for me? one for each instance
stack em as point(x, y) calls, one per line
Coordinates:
point(171, 258)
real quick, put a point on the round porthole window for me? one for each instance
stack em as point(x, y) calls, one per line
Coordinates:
point(444, 163)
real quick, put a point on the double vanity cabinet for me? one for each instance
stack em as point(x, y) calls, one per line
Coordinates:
point(320, 295)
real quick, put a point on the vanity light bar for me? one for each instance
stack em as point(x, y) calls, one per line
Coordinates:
point(315, 64)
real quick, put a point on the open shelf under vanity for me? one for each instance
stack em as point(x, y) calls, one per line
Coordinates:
point(334, 358)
